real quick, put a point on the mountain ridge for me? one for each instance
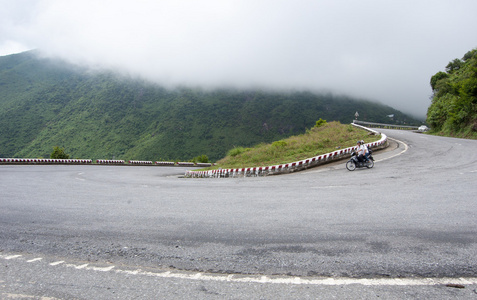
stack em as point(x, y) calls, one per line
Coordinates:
point(102, 115)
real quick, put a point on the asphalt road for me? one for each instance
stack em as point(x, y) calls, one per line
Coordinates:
point(105, 232)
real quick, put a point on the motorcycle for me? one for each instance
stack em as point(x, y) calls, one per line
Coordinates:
point(354, 163)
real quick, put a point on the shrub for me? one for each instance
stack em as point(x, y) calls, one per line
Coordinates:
point(59, 153)
point(236, 151)
point(279, 144)
point(201, 159)
point(320, 122)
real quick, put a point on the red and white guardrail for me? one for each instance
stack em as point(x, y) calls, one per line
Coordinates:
point(165, 163)
point(109, 162)
point(98, 161)
point(140, 162)
point(44, 161)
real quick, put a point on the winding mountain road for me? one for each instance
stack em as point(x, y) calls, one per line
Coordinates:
point(409, 225)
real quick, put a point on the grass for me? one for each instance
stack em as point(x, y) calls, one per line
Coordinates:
point(316, 141)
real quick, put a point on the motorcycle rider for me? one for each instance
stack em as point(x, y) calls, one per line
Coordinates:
point(362, 149)
point(361, 157)
point(366, 150)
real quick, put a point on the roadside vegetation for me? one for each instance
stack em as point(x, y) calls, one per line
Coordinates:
point(453, 111)
point(323, 138)
point(59, 153)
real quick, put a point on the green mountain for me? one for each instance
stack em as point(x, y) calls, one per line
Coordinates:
point(102, 115)
point(453, 110)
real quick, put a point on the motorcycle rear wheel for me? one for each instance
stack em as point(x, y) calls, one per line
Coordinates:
point(350, 165)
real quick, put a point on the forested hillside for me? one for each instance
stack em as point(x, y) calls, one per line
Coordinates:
point(46, 103)
point(453, 110)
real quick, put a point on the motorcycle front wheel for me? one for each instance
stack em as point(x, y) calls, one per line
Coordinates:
point(350, 165)
point(370, 164)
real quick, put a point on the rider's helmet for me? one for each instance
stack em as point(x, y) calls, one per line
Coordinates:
point(362, 142)
point(359, 142)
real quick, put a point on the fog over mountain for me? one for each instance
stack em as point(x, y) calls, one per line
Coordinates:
point(384, 51)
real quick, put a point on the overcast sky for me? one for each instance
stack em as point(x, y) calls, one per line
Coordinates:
point(379, 50)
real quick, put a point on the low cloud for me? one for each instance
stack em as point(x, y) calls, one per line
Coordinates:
point(382, 51)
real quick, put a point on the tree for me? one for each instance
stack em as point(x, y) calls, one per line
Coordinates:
point(469, 55)
point(453, 110)
point(438, 76)
point(201, 159)
point(320, 122)
point(59, 153)
point(454, 65)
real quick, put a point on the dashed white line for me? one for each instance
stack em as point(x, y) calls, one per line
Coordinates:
point(35, 259)
point(79, 267)
point(264, 279)
point(12, 257)
point(105, 269)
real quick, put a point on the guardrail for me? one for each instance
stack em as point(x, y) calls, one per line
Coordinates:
point(26, 161)
point(289, 167)
point(140, 162)
point(44, 161)
point(185, 163)
point(109, 162)
point(385, 126)
point(165, 163)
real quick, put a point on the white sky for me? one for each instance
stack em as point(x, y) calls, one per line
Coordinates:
point(380, 50)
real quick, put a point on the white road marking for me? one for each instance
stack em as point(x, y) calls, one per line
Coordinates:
point(79, 267)
point(308, 281)
point(105, 269)
point(23, 296)
point(12, 257)
point(35, 259)
point(405, 149)
point(264, 279)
